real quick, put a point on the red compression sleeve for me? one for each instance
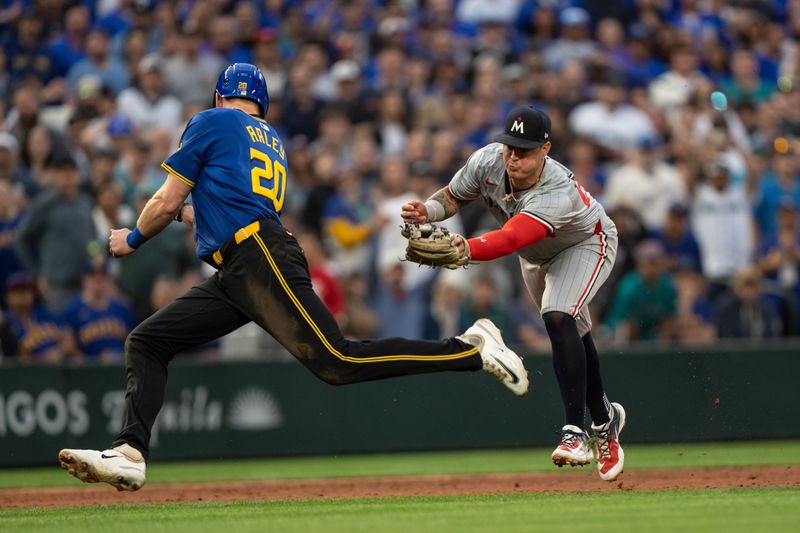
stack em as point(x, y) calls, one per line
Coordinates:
point(520, 231)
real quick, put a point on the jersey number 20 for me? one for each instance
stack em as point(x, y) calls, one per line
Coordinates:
point(269, 180)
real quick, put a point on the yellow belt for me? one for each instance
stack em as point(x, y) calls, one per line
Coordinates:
point(241, 235)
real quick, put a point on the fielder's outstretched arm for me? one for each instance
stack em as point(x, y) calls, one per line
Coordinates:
point(159, 211)
point(440, 206)
point(518, 232)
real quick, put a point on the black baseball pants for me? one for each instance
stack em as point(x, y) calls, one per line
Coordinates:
point(264, 279)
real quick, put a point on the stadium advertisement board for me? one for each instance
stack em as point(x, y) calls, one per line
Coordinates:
point(247, 409)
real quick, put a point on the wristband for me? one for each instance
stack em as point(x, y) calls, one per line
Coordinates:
point(434, 210)
point(179, 216)
point(135, 238)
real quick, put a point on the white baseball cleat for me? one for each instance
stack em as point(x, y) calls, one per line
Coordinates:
point(498, 359)
point(122, 467)
point(573, 449)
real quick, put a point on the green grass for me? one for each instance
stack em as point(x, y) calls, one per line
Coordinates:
point(733, 510)
point(464, 462)
point(720, 510)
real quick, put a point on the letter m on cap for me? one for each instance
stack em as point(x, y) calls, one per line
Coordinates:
point(518, 126)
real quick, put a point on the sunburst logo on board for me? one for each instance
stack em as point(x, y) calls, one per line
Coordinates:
point(254, 409)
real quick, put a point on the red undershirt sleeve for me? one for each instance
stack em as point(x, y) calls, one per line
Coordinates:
point(520, 231)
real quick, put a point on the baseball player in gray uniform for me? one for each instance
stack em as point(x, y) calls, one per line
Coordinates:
point(566, 245)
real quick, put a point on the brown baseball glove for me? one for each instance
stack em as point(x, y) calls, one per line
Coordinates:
point(432, 245)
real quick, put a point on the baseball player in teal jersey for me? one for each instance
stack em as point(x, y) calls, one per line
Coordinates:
point(234, 165)
point(566, 244)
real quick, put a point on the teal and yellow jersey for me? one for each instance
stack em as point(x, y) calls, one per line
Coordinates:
point(236, 166)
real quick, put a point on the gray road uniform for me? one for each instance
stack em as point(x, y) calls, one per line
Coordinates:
point(564, 271)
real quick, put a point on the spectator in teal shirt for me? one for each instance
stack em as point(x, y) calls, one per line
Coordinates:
point(745, 85)
point(645, 301)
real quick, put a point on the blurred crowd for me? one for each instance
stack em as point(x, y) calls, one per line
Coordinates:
point(682, 117)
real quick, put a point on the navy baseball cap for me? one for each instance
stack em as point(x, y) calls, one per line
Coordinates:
point(119, 125)
point(20, 281)
point(526, 127)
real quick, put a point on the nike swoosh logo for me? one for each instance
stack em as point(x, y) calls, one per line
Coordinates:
point(104, 456)
point(514, 378)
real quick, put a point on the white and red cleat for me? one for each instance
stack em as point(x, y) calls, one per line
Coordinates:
point(610, 457)
point(573, 449)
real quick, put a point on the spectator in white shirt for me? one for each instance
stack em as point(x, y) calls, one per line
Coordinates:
point(722, 221)
point(646, 183)
point(481, 11)
point(609, 120)
point(676, 86)
point(148, 103)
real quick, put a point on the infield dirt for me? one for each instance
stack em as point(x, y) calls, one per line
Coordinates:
point(583, 480)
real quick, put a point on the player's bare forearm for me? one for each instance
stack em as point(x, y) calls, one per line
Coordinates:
point(156, 215)
point(451, 204)
point(163, 207)
point(440, 206)
point(159, 211)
